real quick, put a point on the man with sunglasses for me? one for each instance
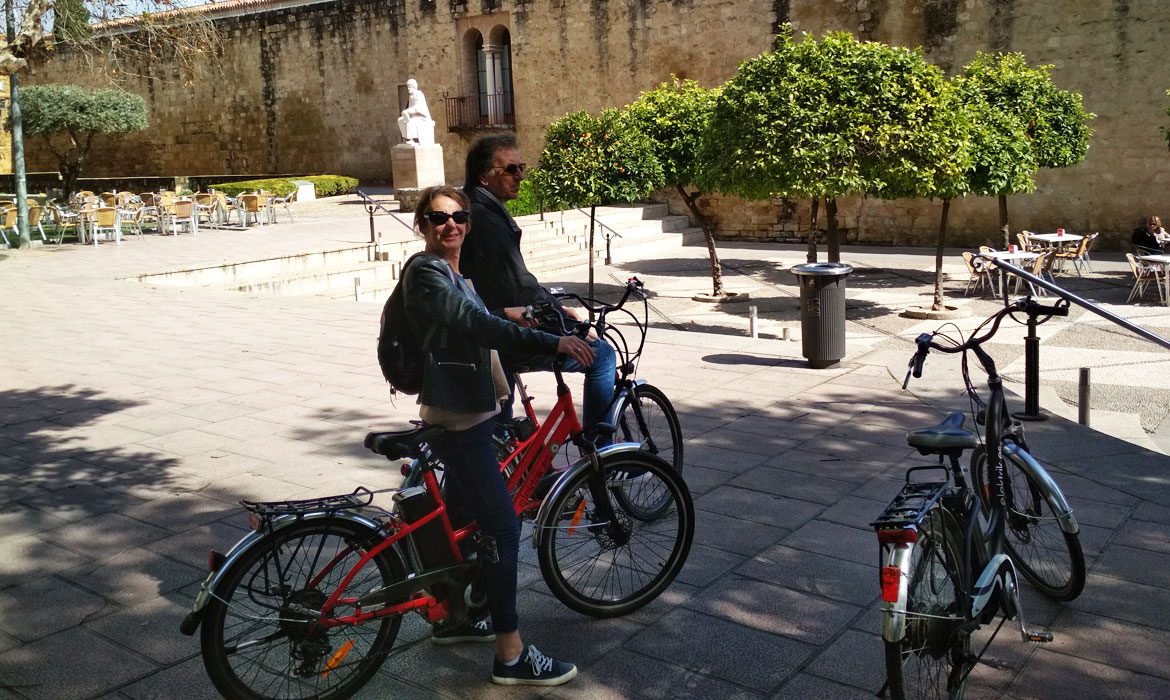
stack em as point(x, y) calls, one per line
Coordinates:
point(491, 259)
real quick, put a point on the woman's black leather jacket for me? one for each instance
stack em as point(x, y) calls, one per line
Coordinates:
point(457, 373)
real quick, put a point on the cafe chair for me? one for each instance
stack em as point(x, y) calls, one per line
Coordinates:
point(1144, 274)
point(183, 212)
point(9, 225)
point(64, 221)
point(979, 271)
point(285, 203)
point(1075, 254)
point(250, 208)
point(106, 221)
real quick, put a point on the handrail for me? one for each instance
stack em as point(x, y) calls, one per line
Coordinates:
point(371, 206)
point(606, 231)
point(1083, 303)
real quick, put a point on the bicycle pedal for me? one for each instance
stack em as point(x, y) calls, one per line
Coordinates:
point(1039, 637)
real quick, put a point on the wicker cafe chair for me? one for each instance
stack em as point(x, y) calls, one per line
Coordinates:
point(106, 221)
point(979, 271)
point(1143, 274)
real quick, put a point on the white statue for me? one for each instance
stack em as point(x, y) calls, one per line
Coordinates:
point(415, 124)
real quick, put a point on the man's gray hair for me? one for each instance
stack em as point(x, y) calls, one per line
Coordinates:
point(482, 156)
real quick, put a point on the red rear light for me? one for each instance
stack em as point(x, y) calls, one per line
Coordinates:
point(404, 468)
point(902, 535)
point(891, 577)
point(214, 560)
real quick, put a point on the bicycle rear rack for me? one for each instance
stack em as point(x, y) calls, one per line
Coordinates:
point(360, 498)
point(910, 506)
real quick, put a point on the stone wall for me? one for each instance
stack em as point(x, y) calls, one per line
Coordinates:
point(315, 88)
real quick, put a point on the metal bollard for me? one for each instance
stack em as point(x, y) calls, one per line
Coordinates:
point(752, 326)
point(378, 248)
point(357, 288)
point(1084, 391)
point(784, 333)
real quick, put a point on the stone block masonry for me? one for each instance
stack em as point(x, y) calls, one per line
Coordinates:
point(314, 87)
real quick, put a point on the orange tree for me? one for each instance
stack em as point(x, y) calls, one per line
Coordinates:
point(589, 161)
point(673, 117)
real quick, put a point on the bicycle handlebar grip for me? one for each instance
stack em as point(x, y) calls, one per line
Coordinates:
point(923, 342)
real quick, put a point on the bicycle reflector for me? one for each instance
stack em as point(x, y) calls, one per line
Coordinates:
point(891, 577)
point(898, 535)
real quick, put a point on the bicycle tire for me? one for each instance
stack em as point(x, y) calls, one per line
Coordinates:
point(934, 657)
point(1051, 559)
point(580, 561)
point(287, 658)
point(662, 434)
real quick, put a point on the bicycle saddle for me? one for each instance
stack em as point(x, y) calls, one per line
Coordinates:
point(402, 444)
point(947, 436)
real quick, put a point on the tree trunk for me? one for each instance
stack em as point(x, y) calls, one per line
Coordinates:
point(70, 172)
point(709, 234)
point(592, 219)
point(1003, 222)
point(834, 232)
point(938, 258)
point(812, 230)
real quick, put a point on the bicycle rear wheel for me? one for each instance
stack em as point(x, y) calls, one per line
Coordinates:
point(1050, 558)
point(260, 639)
point(934, 658)
point(604, 571)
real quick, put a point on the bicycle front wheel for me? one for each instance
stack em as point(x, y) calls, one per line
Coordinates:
point(602, 567)
point(934, 658)
point(260, 639)
point(1050, 558)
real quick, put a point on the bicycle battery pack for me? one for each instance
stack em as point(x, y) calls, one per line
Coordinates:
point(430, 540)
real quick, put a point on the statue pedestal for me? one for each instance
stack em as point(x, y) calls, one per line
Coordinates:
point(415, 166)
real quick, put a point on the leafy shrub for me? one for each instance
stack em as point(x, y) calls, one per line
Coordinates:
point(325, 185)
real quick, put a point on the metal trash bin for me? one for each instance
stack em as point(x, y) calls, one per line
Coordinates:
point(822, 311)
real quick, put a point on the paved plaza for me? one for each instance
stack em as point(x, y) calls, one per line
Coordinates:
point(134, 417)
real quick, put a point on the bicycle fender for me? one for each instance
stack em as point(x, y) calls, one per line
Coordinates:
point(214, 579)
point(563, 479)
point(1056, 500)
point(894, 613)
point(1000, 573)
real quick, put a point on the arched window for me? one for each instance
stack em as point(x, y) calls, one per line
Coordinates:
point(487, 101)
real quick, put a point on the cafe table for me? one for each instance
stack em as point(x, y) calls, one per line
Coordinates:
point(1013, 257)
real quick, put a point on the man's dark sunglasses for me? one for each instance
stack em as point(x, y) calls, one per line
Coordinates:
point(438, 218)
point(513, 168)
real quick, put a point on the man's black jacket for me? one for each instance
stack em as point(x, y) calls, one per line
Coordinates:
point(491, 256)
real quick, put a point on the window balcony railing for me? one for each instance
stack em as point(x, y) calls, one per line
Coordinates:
point(476, 112)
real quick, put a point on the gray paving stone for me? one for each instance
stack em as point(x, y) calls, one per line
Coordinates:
point(745, 442)
point(733, 534)
point(775, 609)
point(187, 680)
point(1099, 513)
point(1152, 512)
point(47, 605)
point(135, 576)
point(705, 564)
point(70, 664)
point(624, 674)
point(700, 480)
point(759, 506)
point(1125, 600)
point(815, 573)
point(793, 485)
point(1112, 642)
point(81, 501)
point(105, 535)
point(29, 557)
point(855, 659)
point(1138, 565)
point(854, 511)
point(150, 628)
point(808, 687)
point(822, 465)
point(18, 519)
point(831, 539)
point(723, 459)
point(1053, 675)
point(1145, 534)
point(721, 655)
point(181, 511)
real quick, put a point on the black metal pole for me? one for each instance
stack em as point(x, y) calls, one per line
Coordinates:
point(1031, 374)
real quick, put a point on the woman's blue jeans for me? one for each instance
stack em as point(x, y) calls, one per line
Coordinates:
point(475, 490)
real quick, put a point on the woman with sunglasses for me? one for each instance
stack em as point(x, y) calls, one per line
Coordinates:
point(462, 387)
point(1151, 238)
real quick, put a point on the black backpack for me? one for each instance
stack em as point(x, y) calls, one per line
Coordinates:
point(401, 355)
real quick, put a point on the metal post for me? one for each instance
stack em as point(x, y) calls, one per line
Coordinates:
point(785, 333)
point(1031, 374)
point(378, 248)
point(1083, 396)
point(608, 257)
point(357, 288)
point(17, 142)
point(752, 317)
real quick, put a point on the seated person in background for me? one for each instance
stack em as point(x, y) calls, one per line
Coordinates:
point(1148, 239)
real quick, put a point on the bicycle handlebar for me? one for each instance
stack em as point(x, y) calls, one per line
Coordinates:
point(547, 313)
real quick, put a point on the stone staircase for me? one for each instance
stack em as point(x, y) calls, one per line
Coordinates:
point(554, 245)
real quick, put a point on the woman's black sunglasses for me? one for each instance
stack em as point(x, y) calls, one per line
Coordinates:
point(438, 218)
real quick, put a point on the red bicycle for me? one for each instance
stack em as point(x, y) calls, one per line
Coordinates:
point(309, 604)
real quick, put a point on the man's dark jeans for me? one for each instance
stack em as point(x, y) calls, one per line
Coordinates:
point(599, 380)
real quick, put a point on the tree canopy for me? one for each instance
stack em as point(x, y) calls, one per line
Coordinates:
point(68, 118)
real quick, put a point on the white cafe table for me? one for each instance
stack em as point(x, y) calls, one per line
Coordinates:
point(1055, 238)
point(1164, 261)
point(1010, 257)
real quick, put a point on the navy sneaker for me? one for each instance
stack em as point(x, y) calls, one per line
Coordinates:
point(472, 632)
point(533, 668)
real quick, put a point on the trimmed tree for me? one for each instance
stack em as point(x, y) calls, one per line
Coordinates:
point(67, 118)
point(674, 116)
point(824, 118)
point(1021, 122)
point(589, 161)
